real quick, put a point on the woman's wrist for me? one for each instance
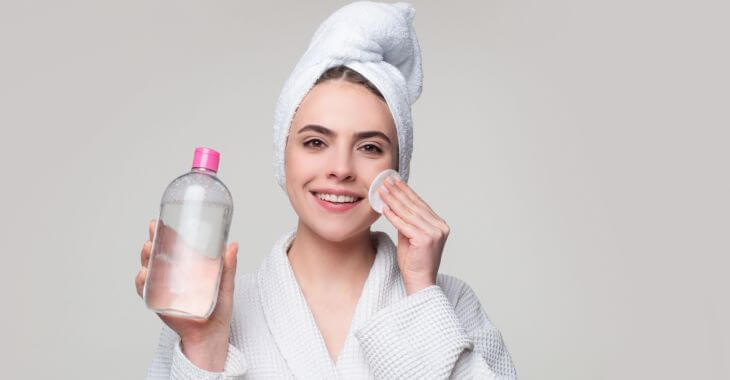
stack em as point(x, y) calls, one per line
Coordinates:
point(414, 287)
point(207, 354)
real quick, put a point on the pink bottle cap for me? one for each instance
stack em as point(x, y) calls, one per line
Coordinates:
point(206, 158)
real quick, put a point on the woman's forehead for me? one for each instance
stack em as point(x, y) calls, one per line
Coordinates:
point(345, 108)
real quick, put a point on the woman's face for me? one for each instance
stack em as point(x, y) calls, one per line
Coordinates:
point(341, 137)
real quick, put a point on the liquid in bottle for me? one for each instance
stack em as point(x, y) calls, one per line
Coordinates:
point(190, 239)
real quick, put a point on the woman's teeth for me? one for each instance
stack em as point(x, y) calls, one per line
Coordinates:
point(336, 198)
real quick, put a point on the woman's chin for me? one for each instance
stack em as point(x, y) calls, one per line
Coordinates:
point(337, 232)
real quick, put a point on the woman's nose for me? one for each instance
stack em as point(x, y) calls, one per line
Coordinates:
point(341, 166)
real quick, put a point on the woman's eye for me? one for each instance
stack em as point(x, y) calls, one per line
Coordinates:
point(314, 143)
point(318, 144)
point(372, 148)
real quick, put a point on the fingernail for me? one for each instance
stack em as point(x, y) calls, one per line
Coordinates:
point(390, 180)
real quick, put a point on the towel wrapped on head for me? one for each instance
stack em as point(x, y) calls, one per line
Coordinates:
point(378, 41)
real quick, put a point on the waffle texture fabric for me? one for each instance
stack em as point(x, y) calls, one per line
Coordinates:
point(439, 332)
point(378, 41)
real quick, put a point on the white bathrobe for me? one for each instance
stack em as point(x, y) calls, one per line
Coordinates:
point(439, 332)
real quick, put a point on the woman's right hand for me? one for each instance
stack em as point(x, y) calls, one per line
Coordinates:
point(205, 343)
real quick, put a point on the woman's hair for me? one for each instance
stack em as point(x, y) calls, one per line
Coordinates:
point(350, 75)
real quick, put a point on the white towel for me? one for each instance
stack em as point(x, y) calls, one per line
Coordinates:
point(378, 41)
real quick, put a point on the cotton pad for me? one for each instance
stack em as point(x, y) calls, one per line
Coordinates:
point(373, 197)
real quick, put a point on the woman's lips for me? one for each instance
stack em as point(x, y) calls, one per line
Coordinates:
point(335, 207)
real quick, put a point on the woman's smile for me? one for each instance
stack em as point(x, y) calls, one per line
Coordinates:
point(336, 203)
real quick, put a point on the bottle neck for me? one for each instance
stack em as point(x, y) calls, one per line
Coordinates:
point(203, 170)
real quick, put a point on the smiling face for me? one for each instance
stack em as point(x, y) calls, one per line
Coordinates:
point(341, 137)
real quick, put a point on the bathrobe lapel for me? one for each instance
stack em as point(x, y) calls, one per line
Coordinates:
point(290, 319)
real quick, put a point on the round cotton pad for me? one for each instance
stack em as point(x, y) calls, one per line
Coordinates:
point(373, 197)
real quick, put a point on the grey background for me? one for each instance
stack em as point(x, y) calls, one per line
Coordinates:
point(577, 149)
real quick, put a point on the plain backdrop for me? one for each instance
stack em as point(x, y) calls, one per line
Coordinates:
point(577, 149)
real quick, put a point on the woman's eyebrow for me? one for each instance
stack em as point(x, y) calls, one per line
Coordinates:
point(329, 132)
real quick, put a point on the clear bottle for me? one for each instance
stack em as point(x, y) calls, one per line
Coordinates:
point(191, 236)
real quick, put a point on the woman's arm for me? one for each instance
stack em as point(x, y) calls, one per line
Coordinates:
point(169, 362)
point(490, 353)
point(424, 336)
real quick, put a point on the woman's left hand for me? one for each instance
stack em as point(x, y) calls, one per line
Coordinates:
point(421, 234)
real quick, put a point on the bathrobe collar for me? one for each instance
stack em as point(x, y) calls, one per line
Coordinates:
point(290, 319)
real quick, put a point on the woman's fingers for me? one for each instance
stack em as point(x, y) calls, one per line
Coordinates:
point(404, 228)
point(145, 258)
point(230, 262)
point(424, 209)
point(153, 224)
point(228, 279)
point(415, 198)
point(146, 250)
point(397, 202)
point(425, 218)
point(140, 279)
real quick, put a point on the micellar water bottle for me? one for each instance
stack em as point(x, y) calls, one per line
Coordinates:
point(186, 261)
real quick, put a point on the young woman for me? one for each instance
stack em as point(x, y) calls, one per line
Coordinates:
point(334, 299)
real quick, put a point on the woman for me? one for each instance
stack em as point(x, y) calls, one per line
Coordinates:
point(334, 299)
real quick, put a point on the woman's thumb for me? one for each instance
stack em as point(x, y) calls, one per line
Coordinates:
point(230, 262)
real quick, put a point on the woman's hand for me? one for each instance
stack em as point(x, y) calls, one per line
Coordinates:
point(421, 234)
point(205, 343)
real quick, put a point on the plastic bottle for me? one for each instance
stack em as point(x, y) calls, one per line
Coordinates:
point(191, 236)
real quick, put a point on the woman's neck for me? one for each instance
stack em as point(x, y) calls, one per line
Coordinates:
point(323, 266)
